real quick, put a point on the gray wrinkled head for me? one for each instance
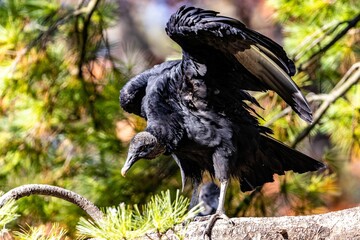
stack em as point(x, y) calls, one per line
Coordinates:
point(143, 145)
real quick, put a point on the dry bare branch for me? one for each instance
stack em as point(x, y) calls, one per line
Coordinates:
point(348, 80)
point(342, 224)
point(48, 190)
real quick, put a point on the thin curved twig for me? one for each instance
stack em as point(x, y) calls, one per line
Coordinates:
point(43, 36)
point(310, 98)
point(82, 57)
point(351, 23)
point(49, 190)
point(348, 80)
point(310, 42)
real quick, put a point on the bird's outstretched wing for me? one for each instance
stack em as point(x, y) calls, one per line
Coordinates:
point(225, 44)
point(132, 94)
point(145, 96)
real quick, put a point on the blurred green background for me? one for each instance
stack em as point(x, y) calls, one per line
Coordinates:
point(62, 64)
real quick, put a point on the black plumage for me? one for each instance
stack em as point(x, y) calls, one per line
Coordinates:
point(197, 107)
point(209, 198)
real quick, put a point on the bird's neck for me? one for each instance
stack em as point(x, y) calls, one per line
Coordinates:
point(158, 150)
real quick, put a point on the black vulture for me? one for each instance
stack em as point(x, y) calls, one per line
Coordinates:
point(197, 107)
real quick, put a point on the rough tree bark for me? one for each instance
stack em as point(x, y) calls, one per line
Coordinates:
point(344, 224)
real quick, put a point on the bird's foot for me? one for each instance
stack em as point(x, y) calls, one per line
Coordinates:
point(213, 219)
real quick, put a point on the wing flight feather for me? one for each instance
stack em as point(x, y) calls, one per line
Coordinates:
point(133, 92)
point(195, 29)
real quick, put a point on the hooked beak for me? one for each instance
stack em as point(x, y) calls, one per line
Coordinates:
point(131, 159)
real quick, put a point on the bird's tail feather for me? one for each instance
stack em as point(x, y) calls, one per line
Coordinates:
point(290, 158)
point(274, 157)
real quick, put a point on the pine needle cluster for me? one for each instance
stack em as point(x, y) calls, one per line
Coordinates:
point(42, 232)
point(159, 215)
point(7, 214)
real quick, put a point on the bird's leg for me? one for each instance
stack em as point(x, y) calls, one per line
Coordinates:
point(220, 212)
point(223, 187)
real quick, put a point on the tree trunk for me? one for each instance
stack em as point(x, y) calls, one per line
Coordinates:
point(343, 224)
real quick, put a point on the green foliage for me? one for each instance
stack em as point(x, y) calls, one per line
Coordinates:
point(7, 215)
point(119, 223)
point(163, 214)
point(346, 122)
point(306, 194)
point(125, 222)
point(53, 232)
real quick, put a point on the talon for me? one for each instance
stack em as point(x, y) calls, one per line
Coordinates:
point(213, 219)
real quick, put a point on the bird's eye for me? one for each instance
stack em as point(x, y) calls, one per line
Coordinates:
point(150, 145)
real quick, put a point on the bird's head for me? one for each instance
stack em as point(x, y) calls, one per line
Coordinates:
point(143, 145)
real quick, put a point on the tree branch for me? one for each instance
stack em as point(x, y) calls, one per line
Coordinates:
point(351, 23)
point(310, 41)
point(348, 80)
point(342, 224)
point(311, 98)
point(91, 7)
point(48, 190)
